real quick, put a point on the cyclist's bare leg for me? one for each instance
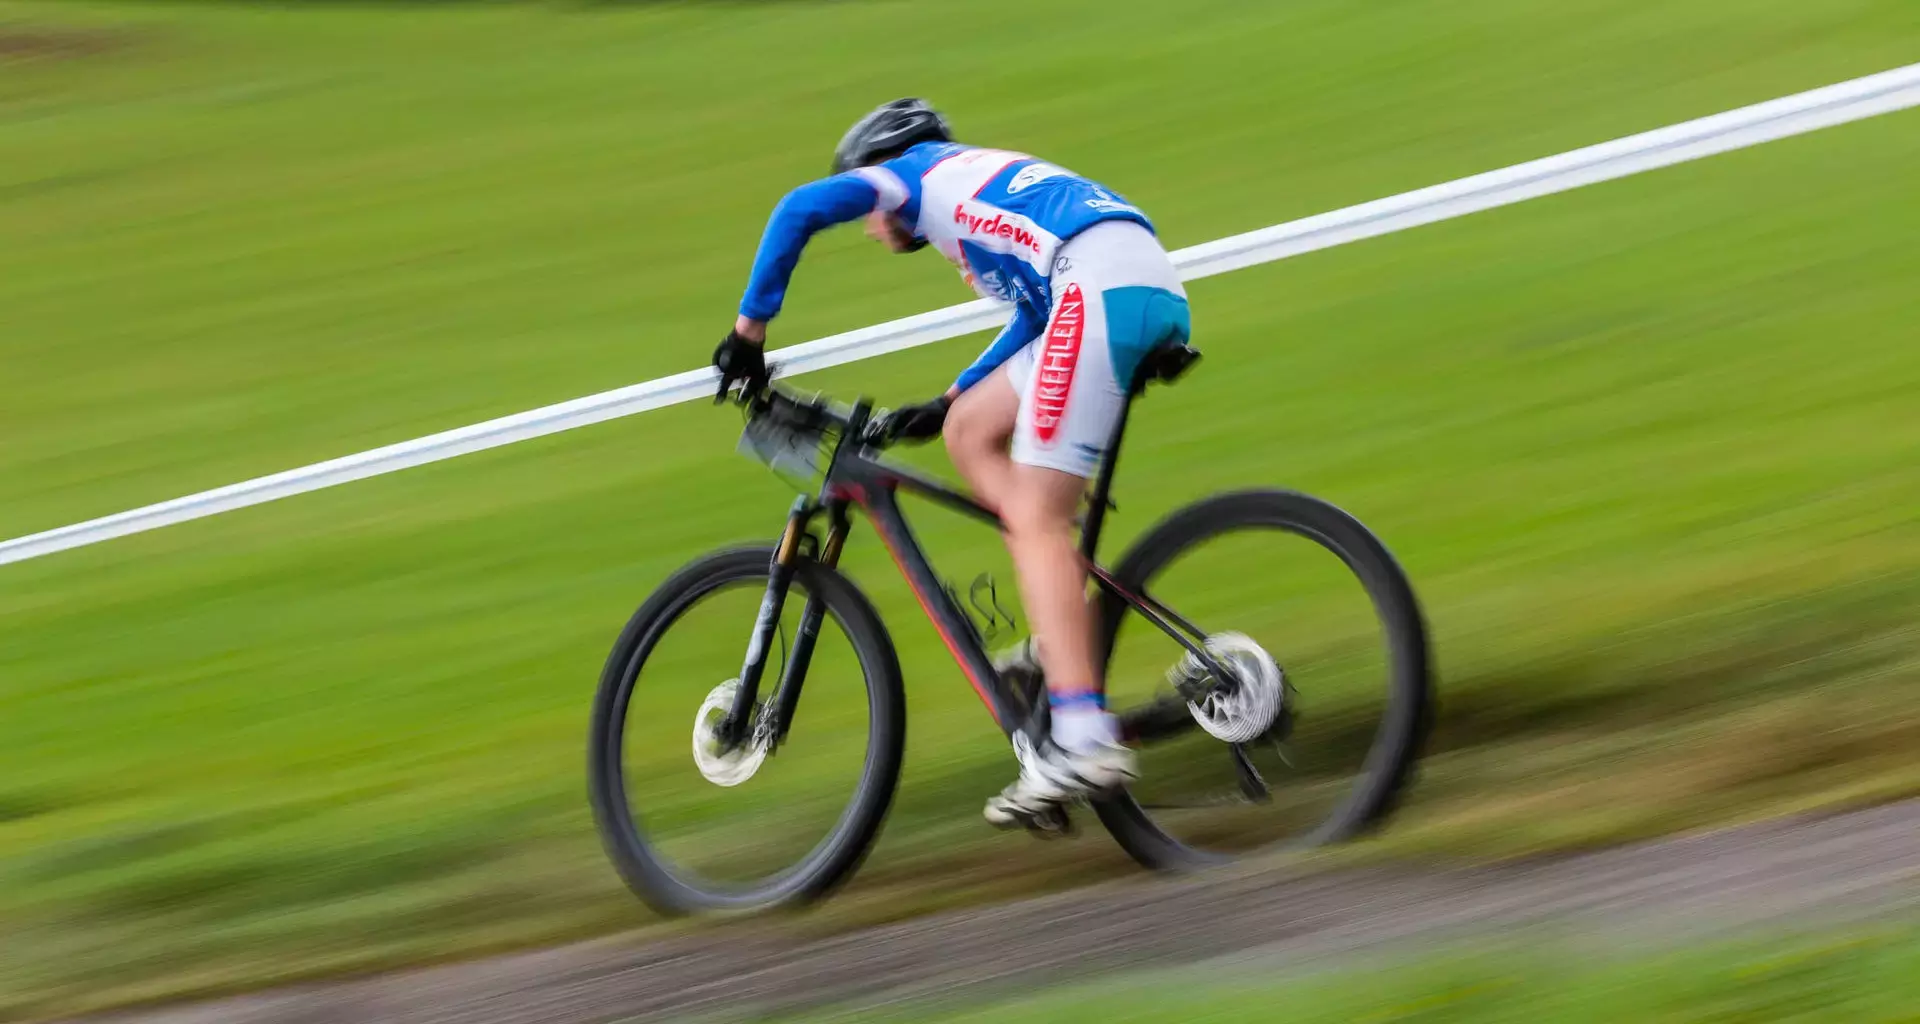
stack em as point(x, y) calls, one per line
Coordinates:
point(1039, 509)
point(1038, 506)
point(978, 427)
point(1085, 755)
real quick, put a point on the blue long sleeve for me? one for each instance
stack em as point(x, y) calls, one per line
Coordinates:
point(806, 210)
point(1026, 325)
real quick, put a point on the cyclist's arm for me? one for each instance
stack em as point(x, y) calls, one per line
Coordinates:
point(806, 210)
point(1026, 325)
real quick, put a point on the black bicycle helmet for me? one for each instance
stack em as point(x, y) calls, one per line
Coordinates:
point(887, 132)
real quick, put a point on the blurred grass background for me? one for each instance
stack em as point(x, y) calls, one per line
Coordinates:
point(1647, 449)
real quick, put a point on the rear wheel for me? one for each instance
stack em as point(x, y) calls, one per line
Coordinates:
point(1310, 613)
point(695, 825)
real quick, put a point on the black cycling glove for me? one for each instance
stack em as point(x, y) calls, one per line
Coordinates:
point(739, 360)
point(921, 422)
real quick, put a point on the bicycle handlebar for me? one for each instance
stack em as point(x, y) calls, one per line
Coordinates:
point(813, 413)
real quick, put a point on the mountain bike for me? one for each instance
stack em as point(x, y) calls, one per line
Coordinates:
point(1220, 698)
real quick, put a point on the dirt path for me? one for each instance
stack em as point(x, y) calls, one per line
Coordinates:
point(1785, 873)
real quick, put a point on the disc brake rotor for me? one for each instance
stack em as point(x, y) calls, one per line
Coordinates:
point(721, 766)
point(1249, 707)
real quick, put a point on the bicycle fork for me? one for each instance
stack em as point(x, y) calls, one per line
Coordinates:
point(794, 544)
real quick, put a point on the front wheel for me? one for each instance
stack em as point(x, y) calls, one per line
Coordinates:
point(696, 824)
point(1311, 614)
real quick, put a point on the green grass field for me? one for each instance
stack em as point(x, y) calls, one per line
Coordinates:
point(1647, 449)
point(1871, 976)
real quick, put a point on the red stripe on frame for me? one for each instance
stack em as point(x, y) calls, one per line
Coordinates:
point(938, 626)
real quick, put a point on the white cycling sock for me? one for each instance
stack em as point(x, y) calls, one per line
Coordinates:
point(1084, 727)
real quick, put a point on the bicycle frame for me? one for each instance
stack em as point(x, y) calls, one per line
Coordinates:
point(857, 475)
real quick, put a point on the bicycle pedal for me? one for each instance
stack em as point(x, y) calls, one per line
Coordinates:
point(1050, 824)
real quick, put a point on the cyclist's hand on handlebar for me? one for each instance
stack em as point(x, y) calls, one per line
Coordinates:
point(740, 360)
point(921, 422)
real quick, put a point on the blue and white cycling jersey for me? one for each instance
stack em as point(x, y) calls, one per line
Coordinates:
point(999, 216)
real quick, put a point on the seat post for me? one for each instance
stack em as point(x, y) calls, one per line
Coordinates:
point(1099, 502)
point(1166, 363)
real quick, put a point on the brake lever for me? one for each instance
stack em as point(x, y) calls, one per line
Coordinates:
point(873, 433)
point(748, 397)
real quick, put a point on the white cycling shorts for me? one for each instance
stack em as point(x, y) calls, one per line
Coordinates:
point(1116, 297)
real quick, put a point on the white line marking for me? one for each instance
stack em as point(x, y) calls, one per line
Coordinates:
point(1735, 129)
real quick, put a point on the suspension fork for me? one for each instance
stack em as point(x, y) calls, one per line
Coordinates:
point(739, 718)
point(787, 697)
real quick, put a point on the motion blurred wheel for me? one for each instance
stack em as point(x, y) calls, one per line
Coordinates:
point(1330, 697)
point(694, 824)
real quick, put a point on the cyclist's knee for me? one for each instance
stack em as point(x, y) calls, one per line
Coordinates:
point(980, 422)
point(966, 435)
point(1041, 503)
point(972, 452)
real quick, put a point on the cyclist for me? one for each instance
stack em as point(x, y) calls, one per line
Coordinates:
point(1092, 293)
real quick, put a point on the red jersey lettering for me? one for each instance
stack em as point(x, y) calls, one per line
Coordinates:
point(1057, 362)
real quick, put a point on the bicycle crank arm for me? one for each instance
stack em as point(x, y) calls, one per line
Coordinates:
point(1163, 719)
point(1252, 786)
